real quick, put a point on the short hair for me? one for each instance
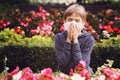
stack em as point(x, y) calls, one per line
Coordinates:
point(75, 8)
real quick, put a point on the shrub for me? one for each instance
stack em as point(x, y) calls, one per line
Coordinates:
point(108, 49)
point(35, 52)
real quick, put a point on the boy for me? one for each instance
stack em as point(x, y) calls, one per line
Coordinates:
point(73, 44)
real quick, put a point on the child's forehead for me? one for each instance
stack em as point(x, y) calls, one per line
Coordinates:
point(74, 15)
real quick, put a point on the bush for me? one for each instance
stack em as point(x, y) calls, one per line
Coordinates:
point(108, 49)
point(36, 57)
point(35, 52)
point(38, 52)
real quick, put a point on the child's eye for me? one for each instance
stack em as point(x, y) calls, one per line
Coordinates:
point(77, 20)
point(70, 19)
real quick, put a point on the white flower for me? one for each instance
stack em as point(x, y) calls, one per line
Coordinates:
point(77, 77)
point(106, 34)
point(102, 77)
point(17, 76)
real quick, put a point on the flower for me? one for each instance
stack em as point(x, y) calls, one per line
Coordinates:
point(15, 71)
point(77, 77)
point(81, 70)
point(105, 73)
point(45, 74)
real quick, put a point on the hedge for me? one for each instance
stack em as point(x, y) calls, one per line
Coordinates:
point(38, 52)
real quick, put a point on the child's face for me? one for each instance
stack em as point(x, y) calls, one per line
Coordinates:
point(74, 17)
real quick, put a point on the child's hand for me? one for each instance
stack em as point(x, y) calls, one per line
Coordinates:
point(73, 33)
point(76, 33)
point(70, 34)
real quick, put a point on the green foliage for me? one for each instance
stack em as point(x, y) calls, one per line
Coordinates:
point(108, 49)
point(38, 52)
point(35, 52)
point(7, 37)
point(35, 57)
point(116, 4)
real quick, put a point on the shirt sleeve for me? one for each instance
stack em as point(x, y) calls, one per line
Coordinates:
point(63, 50)
point(77, 53)
point(87, 50)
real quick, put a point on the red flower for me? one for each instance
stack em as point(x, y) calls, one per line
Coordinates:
point(109, 29)
point(118, 31)
point(115, 29)
point(89, 28)
point(1, 21)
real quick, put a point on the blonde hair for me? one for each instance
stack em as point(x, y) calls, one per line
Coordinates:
point(77, 9)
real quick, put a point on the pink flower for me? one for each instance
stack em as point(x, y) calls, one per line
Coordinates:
point(87, 24)
point(110, 23)
point(25, 24)
point(28, 19)
point(43, 18)
point(46, 74)
point(27, 74)
point(42, 32)
point(116, 18)
point(82, 63)
point(15, 71)
point(81, 69)
point(35, 31)
point(41, 9)
point(111, 74)
point(101, 27)
point(62, 28)
point(7, 23)
point(85, 73)
point(46, 71)
point(34, 15)
point(71, 72)
point(27, 70)
point(47, 33)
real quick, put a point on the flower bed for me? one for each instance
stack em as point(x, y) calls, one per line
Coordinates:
point(105, 72)
point(41, 22)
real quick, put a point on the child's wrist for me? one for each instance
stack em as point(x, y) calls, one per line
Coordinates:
point(75, 41)
point(68, 40)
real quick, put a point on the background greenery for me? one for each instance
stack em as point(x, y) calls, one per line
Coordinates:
point(38, 52)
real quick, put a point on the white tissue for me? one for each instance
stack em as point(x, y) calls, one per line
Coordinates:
point(67, 25)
